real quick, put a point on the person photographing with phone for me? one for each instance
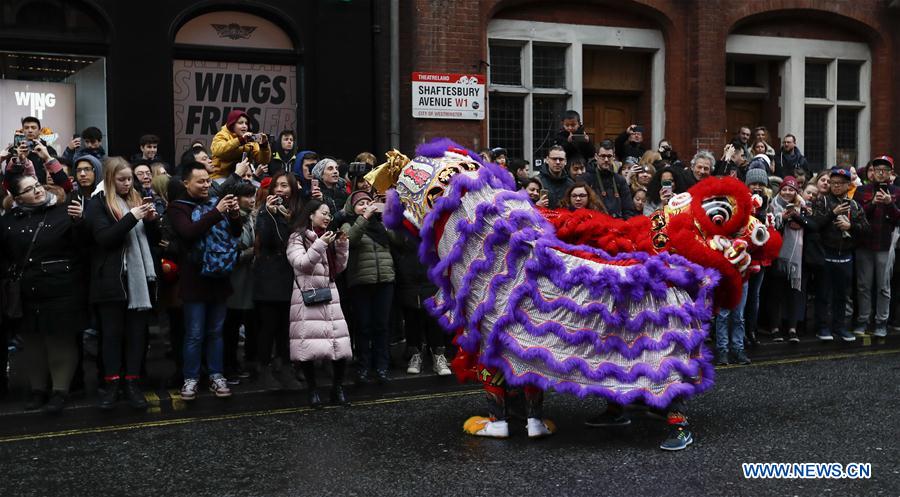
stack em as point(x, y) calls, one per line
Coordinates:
point(232, 141)
point(123, 278)
point(874, 264)
point(24, 147)
point(630, 143)
point(841, 223)
point(210, 229)
point(318, 329)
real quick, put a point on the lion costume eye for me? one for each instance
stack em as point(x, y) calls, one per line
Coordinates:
point(432, 195)
point(447, 174)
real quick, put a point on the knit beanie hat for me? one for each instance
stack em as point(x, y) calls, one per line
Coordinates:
point(319, 168)
point(358, 196)
point(790, 182)
point(233, 117)
point(757, 176)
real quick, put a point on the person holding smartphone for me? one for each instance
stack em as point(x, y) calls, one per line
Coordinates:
point(841, 223)
point(232, 141)
point(878, 200)
point(370, 279)
point(665, 184)
point(318, 329)
point(785, 277)
point(123, 279)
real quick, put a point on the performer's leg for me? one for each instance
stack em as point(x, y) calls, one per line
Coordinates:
point(612, 417)
point(534, 405)
point(680, 435)
point(495, 425)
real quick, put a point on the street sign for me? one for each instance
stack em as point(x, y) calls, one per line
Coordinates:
point(447, 96)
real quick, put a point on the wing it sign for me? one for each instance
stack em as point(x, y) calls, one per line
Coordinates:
point(447, 96)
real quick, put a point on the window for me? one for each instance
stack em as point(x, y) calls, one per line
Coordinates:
point(847, 139)
point(848, 81)
point(545, 113)
point(505, 123)
point(506, 65)
point(815, 132)
point(816, 80)
point(549, 67)
point(528, 94)
point(741, 74)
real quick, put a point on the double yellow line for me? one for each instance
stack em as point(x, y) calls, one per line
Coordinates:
point(366, 403)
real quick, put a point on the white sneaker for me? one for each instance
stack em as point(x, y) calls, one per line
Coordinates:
point(493, 429)
point(440, 365)
point(538, 428)
point(415, 364)
point(219, 386)
point(189, 390)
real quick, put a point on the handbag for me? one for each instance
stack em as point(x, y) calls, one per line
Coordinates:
point(316, 296)
point(11, 287)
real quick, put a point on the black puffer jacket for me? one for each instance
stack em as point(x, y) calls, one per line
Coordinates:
point(273, 276)
point(108, 251)
point(52, 280)
point(412, 284)
point(556, 186)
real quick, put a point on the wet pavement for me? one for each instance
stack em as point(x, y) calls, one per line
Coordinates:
point(406, 439)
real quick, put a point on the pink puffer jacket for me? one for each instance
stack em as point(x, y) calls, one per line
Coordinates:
point(319, 331)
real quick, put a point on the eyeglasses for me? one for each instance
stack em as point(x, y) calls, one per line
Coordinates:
point(579, 195)
point(84, 170)
point(31, 188)
point(882, 170)
point(605, 156)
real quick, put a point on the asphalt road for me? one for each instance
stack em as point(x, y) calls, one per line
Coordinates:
point(809, 410)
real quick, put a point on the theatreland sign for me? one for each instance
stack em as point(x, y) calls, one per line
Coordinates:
point(447, 96)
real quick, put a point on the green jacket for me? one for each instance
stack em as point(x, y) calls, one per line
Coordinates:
point(369, 262)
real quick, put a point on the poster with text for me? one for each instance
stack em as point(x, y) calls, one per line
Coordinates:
point(52, 103)
point(205, 92)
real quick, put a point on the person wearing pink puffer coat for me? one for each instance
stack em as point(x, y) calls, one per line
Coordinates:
point(318, 330)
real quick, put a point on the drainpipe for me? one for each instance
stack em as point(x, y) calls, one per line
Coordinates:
point(395, 74)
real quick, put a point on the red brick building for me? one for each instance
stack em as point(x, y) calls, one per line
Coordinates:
point(690, 71)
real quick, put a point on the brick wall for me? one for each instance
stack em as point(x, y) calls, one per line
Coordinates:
point(450, 36)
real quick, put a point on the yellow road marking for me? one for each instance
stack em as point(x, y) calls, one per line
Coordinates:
point(177, 402)
point(176, 398)
point(153, 400)
point(224, 417)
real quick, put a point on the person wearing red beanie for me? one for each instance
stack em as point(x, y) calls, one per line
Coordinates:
point(233, 140)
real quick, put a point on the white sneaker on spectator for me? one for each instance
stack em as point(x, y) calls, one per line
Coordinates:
point(189, 390)
point(219, 386)
point(415, 364)
point(440, 365)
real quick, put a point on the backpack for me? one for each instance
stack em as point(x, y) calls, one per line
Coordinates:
point(217, 252)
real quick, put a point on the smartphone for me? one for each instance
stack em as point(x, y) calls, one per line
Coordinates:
point(314, 183)
point(884, 189)
point(379, 206)
point(278, 201)
point(243, 156)
point(76, 136)
point(666, 183)
point(579, 138)
point(545, 193)
point(147, 200)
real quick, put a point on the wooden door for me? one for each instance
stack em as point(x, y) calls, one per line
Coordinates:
point(605, 117)
point(742, 113)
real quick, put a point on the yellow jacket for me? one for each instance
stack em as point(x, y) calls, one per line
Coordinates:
point(227, 150)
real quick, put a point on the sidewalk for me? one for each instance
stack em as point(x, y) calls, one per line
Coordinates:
point(164, 397)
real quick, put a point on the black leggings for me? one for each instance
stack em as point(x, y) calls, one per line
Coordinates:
point(124, 332)
point(231, 335)
point(274, 324)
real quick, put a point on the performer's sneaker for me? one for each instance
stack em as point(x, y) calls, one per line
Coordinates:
point(538, 428)
point(608, 420)
point(481, 426)
point(679, 438)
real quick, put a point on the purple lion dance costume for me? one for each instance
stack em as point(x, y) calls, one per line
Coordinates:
point(532, 312)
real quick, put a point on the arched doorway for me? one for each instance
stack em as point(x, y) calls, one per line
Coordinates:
point(230, 59)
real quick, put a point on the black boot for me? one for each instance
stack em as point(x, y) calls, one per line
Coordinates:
point(338, 397)
point(36, 400)
point(309, 371)
point(110, 395)
point(134, 395)
point(56, 403)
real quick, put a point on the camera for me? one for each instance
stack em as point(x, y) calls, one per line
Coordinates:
point(255, 137)
point(359, 168)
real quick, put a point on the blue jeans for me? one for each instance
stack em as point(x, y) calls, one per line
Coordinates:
point(730, 322)
point(751, 295)
point(203, 320)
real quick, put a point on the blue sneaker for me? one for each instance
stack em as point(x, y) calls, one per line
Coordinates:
point(679, 438)
point(824, 335)
point(846, 336)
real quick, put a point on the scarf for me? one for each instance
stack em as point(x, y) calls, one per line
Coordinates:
point(790, 259)
point(49, 201)
point(376, 231)
point(330, 254)
point(138, 266)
